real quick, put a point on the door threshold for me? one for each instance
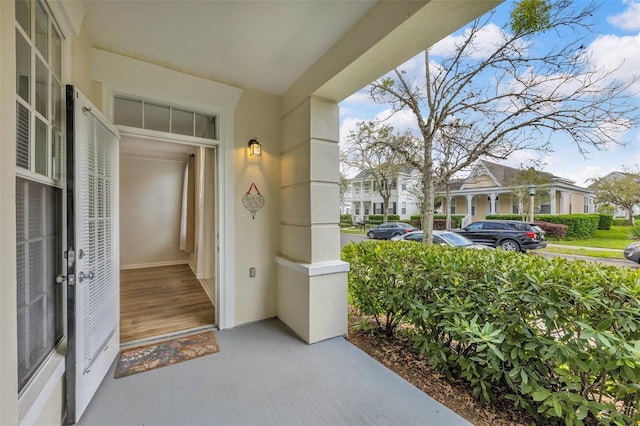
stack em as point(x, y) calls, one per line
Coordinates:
point(166, 336)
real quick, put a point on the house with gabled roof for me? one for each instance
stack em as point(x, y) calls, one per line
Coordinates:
point(490, 188)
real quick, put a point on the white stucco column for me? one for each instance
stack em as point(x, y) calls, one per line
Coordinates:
point(561, 203)
point(312, 280)
point(469, 203)
point(552, 201)
point(492, 207)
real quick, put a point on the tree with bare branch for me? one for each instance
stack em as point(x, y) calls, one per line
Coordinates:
point(489, 100)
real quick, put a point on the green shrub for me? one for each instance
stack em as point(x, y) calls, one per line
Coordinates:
point(346, 220)
point(606, 220)
point(456, 220)
point(579, 226)
point(621, 222)
point(634, 232)
point(554, 230)
point(559, 338)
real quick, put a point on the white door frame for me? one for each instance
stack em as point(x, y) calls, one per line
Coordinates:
point(223, 220)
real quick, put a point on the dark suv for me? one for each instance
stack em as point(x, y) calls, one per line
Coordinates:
point(511, 235)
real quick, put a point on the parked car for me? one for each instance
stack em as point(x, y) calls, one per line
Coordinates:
point(390, 230)
point(445, 238)
point(510, 235)
point(632, 252)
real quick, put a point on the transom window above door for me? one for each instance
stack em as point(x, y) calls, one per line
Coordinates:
point(163, 118)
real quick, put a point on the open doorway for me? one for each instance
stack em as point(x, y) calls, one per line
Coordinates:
point(167, 238)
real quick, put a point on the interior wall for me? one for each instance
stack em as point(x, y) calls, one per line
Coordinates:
point(150, 209)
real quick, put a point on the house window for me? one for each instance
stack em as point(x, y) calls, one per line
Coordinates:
point(587, 202)
point(393, 183)
point(452, 207)
point(570, 203)
point(357, 209)
point(357, 190)
point(366, 210)
point(367, 188)
point(403, 186)
point(39, 175)
point(545, 204)
point(515, 205)
point(404, 208)
point(392, 208)
point(163, 118)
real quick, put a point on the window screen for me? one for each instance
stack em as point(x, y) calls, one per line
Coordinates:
point(38, 242)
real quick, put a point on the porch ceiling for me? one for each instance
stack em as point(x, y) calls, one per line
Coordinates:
point(328, 47)
point(262, 44)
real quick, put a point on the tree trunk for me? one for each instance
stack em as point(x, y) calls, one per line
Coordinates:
point(427, 214)
point(385, 209)
point(447, 192)
point(631, 218)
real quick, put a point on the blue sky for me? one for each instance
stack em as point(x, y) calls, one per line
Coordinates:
point(616, 40)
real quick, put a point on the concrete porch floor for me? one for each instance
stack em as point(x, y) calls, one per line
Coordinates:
point(264, 375)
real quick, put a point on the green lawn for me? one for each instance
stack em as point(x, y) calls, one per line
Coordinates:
point(609, 254)
point(615, 238)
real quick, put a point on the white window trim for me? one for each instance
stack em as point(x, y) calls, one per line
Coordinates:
point(38, 391)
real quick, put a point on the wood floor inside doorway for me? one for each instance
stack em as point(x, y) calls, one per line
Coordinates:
point(161, 300)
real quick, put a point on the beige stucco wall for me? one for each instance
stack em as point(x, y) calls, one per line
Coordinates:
point(461, 205)
point(150, 209)
point(81, 63)
point(504, 204)
point(481, 207)
point(257, 240)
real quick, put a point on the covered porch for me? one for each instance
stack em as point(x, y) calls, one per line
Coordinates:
point(265, 375)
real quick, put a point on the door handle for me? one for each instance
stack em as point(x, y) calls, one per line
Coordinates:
point(82, 276)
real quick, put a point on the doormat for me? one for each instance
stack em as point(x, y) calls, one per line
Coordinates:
point(161, 354)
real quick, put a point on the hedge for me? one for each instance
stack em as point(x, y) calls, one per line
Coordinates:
point(606, 220)
point(553, 229)
point(456, 220)
point(621, 222)
point(376, 219)
point(346, 220)
point(559, 338)
point(580, 226)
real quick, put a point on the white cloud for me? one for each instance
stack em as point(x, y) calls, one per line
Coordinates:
point(484, 42)
point(621, 52)
point(629, 19)
point(401, 121)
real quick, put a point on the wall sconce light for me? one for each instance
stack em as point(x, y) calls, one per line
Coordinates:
point(255, 150)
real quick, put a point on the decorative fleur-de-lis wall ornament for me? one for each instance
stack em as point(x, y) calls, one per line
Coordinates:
point(253, 201)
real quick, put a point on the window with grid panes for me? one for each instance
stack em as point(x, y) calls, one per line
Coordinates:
point(39, 174)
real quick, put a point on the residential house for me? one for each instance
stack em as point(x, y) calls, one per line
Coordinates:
point(620, 212)
point(489, 189)
point(362, 197)
point(133, 89)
